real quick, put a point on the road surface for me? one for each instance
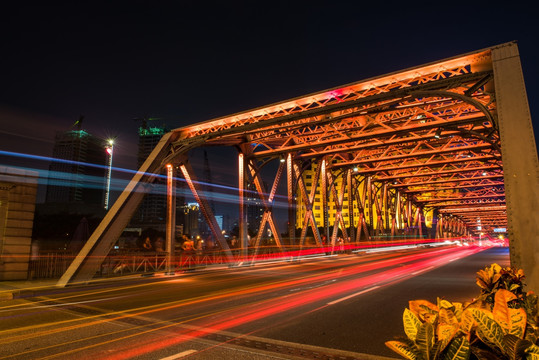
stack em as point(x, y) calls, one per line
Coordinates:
point(326, 308)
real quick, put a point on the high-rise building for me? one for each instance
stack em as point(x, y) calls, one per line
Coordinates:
point(77, 175)
point(188, 217)
point(371, 214)
point(152, 210)
point(317, 207)
point(255, 208)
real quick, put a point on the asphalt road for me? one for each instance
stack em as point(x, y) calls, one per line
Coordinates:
point(328, 308)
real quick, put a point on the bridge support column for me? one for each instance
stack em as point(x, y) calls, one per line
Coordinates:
point(398, 214)
point(370, 206)
point(291, 200)
point(242, 207)
point(171, 217)
point(520, 164)
point(350, 205)
point(324, 192)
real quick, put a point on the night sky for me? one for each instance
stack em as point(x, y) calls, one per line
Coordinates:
point(190, 61)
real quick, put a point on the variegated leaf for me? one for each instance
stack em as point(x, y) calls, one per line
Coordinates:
point(425, 340)
point(422, 307)
point(533, 349)
point(411, 324)
point(444, 304)
point(512, 321)
point(458, 310)
point(467, 322)
point(447, 316)
point(459, 349)
point(488, 330)
point(403, 350)
point(445, 333)
point(515, 347)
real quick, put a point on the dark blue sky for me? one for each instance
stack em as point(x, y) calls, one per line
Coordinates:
point(189, 61)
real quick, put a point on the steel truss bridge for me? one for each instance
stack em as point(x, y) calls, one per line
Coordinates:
point(452, 138)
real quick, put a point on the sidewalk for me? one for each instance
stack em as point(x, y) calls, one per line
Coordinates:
point(15, 289)
point(30, 288)
point(21, 288)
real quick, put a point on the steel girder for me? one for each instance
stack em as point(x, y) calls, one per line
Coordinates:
point(102, 240)
point(427, 139)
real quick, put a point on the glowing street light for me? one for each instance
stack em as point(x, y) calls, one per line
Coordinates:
point(110, 150)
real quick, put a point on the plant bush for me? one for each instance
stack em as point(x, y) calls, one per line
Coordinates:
point(500, 324)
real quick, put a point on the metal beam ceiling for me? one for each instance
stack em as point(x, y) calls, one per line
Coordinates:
point(430, 125)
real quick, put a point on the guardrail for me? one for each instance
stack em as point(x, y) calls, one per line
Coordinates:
point(50, 265)
point(53, 264)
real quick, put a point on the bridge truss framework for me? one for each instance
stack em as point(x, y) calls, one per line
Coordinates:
point(384, 151)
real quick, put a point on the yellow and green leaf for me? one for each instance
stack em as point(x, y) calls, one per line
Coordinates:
point(445, 333)
point(512, 321)
point(448, 325)
point(425, 340)
point(447, 316)
point(489, 276)
point(459, 349)
point(423, 309)
point(488, 330)
point(403, 349)
point(444, 304)
point(514, 347)
point(533, 349)
point(467, 322)
point(412, 324)
point(458, 310)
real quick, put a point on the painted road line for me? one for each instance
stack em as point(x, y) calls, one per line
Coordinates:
point(351, 296)
point(422, 271)
point(180, 355)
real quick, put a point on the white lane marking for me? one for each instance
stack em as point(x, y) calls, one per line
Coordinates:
point(313, 286)
point(351, 296)
point(420, 271)
point(180, 355)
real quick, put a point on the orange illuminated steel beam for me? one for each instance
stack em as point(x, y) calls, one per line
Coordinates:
point(189, 176)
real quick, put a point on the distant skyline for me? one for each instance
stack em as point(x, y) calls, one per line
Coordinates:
point(185, 62)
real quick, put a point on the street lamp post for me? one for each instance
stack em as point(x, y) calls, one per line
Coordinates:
point(171, 217)
point(110, 151)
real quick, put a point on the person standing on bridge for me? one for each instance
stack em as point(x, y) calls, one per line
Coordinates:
point(147, 244)
point(188, 244)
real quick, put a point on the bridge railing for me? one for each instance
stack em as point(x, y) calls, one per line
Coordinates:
point(53, 264)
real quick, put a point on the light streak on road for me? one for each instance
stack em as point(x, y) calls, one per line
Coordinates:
point(313, 289)
point(266, 308)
